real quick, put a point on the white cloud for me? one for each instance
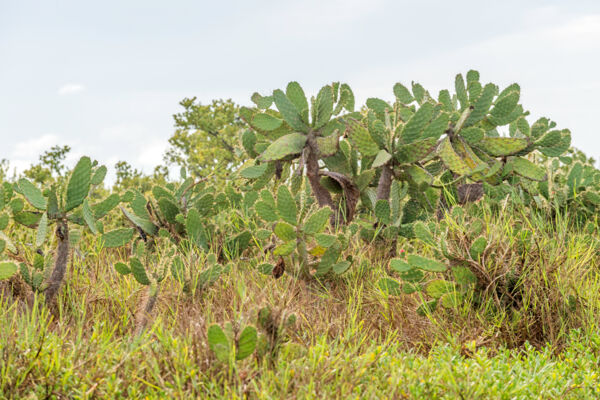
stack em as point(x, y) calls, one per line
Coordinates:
point(150, 154)
point(70, 88)
point(30, 149)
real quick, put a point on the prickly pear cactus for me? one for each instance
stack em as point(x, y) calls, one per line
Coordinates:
point(57, 207)
point(302, 243)
point(308, 130)
point(229, 345)
point(436, 145)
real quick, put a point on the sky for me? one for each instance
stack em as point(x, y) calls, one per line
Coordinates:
point(106, 77)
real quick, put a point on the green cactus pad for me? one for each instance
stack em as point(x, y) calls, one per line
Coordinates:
point(265, 122)
point(295, 93)
point(422, 233)
point(218, 343)
point(10, 246)
point(399, 265)
point(316, 221)
point(461, 91)
point(286, 145)
point(289, 112)
point(550, 139)
point(254, 171)
point(402, 94)
point(463, 276)
point(138, 271)
point(417, 123)
point(324, 106)
point(341, 267)
point(527, 169)
point(451, 159)
point(478, 247)
point(248, 141)
point(141, 223)
point(33, 195)
point(472, 135)
point(361, 138)
point(381, 158)
point(324, 240)
point(328, 260)
point(105, 206)
point(389, 286)
point(382, 211)
point(195, 228)
point(265, 211)
point(284, 231)
point(246, 343)
point(7, 269)
point(482, 105)
point(419, 177)
point(416, 151)
point(27, 218)
point(377, 130)
point(122, 268)
point(505, 105)
point(79, 184)
point(426, 264)
point(439, 287)
point(285, 249)
point(501, 146)
point(3, 221)
point(42, 230)
point(99, 175)
point(262, 102)
point(560, 148)
point(437, 127)
point(88, 217)
point(117, 238)
point(168, 209)
point(328, 145)
point(592, 197)
point(286, 205)
point(378, 105)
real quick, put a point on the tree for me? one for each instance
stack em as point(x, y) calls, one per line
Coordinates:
point(206, 137)
point(129, 177)
point(50, 166)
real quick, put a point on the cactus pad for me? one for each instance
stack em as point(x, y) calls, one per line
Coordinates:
point(289, 144)
point(501, 146)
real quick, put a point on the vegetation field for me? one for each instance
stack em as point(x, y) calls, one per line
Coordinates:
point(430, 247)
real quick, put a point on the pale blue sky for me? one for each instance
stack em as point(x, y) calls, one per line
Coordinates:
point(106, 77)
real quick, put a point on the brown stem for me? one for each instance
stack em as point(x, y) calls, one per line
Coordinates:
point(312, 172)
point(143, 316)
point(385, 183)
point(60, 263)
point(225, 144)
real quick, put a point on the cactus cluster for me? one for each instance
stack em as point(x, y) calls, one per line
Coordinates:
point(319, 174)
point(413, 154)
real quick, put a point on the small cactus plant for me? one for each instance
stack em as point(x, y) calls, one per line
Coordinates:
point(300, 228)
point(229, 345)
point(60, 206)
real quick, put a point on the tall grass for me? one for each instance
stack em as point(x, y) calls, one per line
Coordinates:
point(350, 338)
